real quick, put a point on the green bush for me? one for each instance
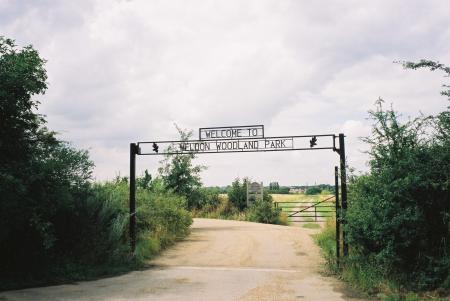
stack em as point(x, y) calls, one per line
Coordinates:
point(237, 194)
point(264, 212)
point(223, 210)
point(205, 197)
point(398, 214)
point(55, 224)
point(180, 175)
point(313, 190)
point(163, 216)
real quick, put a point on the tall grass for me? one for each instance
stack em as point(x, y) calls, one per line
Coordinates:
point(366, 275)
point(92, 236)
point(261, 212)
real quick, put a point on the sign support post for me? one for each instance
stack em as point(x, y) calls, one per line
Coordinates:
point(133, 152)
point(338, 230)
point(343, 189)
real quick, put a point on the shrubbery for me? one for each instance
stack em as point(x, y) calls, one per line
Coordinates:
point(237, 194)
point(313, 190)
point(398, 214)
point(54, 222)
point(264, 212)
point(223, 210)
point(234, 206)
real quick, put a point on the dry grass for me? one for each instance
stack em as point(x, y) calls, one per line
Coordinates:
point(311, 226)
point(299, 197)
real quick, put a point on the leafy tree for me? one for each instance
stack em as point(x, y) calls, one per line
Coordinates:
point(264, 212)
point(313, 190)
point(433, 66)
point(54, 222)
point(274, 186)
point(237, 194)
point(144, 181)
point(181, 175)
point(41, 178)
point(398, 213)
point(22, 75)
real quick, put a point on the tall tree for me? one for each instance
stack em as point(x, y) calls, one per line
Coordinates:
point(180, 174)
point(41, 178)
point(22, 75)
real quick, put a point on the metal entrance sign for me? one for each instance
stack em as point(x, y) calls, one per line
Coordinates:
point(241, 139)
point(236, 139)
point(236, 145)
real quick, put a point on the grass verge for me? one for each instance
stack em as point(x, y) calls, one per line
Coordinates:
point(365, 276)
point(311, 226)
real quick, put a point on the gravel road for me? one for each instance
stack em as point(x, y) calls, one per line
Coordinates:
point(220, 260)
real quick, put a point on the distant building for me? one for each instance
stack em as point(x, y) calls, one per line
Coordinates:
point(296, 190)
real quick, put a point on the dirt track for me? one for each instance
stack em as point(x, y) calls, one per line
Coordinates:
point(220, 260)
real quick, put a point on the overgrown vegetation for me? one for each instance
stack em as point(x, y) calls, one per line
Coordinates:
point(55, 223)
point(319, 189)
point(234, 206)
point(274, 187)
point(398, 217)
point(181, 176)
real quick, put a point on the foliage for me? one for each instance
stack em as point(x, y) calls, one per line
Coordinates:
point(279, 190)
point(311, 225)
point(433, 66)
point(205, 197)
point(313, 190)
point(162, 219)
point(145, 181)
point(181, 175)
point(237, 194)
point(22, 75)
point(161, 215)
point(274, 186)
point(264, 212)
point(398, 214)
point(366, 275)
point(326, 240)
point(54, 223)
point(319, 189)
point(224, 209)
point(42, 179)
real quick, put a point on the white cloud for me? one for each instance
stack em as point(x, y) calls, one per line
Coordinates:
point(123, 71)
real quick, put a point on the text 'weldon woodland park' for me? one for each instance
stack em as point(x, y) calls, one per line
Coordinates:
point(236, 139)
point(236, 145)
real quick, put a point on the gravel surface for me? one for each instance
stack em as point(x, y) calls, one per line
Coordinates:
point(220, 260)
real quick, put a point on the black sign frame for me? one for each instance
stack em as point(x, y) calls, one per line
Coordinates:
point(135, 150)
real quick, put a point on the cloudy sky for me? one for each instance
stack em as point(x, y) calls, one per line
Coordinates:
point(126, 71)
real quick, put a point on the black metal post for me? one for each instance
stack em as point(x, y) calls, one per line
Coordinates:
point(343, 189)
point(338, 228)
point(133, 152)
